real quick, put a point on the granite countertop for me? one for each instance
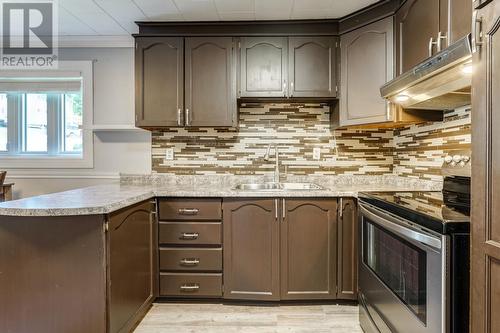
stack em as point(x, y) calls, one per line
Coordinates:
point(104, 199)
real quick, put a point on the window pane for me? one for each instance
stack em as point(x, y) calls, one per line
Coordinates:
point(3, 122)
point(73, 138)
point(36, 123)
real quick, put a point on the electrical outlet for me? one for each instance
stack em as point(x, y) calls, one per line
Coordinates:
point(316, 153)
point(169, 154)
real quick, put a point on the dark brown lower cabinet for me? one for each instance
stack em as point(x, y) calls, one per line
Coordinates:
point(72, 274)
point(132, 263)
point(289, 249)
point(308, 249)
point(251, 249)
point(347, 256)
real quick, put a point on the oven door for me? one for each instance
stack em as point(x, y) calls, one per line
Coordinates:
point(402, 275)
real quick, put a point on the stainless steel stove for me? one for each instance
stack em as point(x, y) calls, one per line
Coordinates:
point(414, 257)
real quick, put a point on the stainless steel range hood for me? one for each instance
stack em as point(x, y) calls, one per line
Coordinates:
point(441, 82)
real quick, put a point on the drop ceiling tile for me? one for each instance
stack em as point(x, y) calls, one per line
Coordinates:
point(125, 12)
point(310, 14)
point(197, 10)
point(235, 16)
point(70, 25)
point(309, 5)
point(93, 16)
point(273, 10)
point(156, 9)
point(235, 5)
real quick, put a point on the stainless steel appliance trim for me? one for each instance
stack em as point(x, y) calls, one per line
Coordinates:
point(388, 222)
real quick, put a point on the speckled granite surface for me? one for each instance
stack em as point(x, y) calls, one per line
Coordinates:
point(103, 199)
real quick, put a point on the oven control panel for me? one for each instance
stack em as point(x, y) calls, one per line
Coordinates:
point(457, 163)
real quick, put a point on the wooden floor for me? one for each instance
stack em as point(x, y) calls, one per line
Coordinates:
point(210, 318)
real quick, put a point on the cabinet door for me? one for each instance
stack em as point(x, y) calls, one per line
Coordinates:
point(131, 266)
point(309, 249)
point(347, 250)
point(210, 84)
point(362, 75)
point(263, 71)
point(251, 249)
point(485, 224)
point(159, 82)
point(417, 21)
point(457, 22)
point(312, 66)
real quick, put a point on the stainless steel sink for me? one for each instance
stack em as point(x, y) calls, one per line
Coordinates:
point(278, 187)
point(301, 186)
point(259, 187)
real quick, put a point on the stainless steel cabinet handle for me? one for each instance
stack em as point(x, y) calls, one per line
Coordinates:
point(291, 89)
point(189, 235)
point(188, 120)
point(284, 209)
point(439, 40)
point(284, 88)
point(276, 209)
point(477, 38)
point(190, 287)
point(188, 211)
point(190, 261)
point(179, 117)
point(431, 45)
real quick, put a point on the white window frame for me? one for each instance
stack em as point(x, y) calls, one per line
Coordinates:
point(60, 161)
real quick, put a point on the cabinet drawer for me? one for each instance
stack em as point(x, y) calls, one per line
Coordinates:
point(190, 209)
point(190, 233)
point(190, 259)
point(191, 284)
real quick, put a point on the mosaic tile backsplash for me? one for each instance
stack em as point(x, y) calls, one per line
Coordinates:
point(297, 129)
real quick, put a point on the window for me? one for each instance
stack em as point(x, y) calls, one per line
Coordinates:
point(45, 117)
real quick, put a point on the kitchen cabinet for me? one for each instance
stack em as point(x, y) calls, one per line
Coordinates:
point(185, 82)
point(251, 249)
point(362, 75)
point(485, 215)
point(190, 247)
point(308, 249)
point(132, 263)
point(82, 273)
point(312, 66)
point(347, 258)
point(263, 67)
point(424, 27)
point(288, 67)
point(291, 254)
point(159, 81)
point(210, 82)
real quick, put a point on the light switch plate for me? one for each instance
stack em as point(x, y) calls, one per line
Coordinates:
point(169, 154)
point(316, 153)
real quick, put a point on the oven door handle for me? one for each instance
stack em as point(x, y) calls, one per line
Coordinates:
point(400, 230)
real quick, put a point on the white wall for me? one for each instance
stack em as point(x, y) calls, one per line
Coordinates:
point(114, 152)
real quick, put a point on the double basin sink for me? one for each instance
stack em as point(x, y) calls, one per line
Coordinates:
point(278, 187)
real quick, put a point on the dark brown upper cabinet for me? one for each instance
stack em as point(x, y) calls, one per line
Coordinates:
point(362, 75)
point(308, 249)
point(251, 249)
point(347, 254)
point(185, 82)
point(263, 67)
point(210, 82)
point(312, 66)
point(159, 81)
point(288, 67)
point(424, 27)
